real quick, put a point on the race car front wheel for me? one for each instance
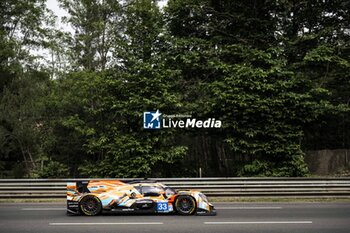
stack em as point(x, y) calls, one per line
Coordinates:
point(90, 205)
point(185, 205)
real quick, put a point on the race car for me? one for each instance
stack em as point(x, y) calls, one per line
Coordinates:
point(96, 196)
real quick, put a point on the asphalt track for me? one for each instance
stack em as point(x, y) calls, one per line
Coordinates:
point(231, 217)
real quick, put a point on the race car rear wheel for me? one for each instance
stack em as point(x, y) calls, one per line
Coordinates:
point(185, 205)
point(90, 205)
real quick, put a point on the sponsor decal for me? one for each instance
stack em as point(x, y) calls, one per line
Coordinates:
point(128, 210)
point(202, 212)
point(73, 205)
point(170, 207)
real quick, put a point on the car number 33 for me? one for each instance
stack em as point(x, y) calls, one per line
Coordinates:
point(162, 206)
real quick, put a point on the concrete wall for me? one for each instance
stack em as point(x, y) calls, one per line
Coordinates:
point(328, 162)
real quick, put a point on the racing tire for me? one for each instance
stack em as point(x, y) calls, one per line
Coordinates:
point(185, 205)
point(90, 205)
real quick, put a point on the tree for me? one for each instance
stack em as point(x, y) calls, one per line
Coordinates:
point(96, 27)
point(23, 26)
point(105, 108)
point(275, 72)
point(231, 51)
point(316, 35)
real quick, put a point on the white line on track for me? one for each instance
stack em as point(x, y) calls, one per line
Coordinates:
point(31, 209)
point(248, 208)
point(218, 208)
point(260, 222)
point(103, 223)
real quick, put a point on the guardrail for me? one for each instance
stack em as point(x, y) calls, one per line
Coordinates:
point(214, 187)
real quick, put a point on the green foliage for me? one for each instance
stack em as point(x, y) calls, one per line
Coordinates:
point(107, 109)
point(96, 25)
point(275, 73)
point(21, 120)
point(265, 107)
point(295, 167)
point(249, 78)
point(51, 169)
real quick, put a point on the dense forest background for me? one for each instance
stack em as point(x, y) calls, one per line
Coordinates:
point(277, 73)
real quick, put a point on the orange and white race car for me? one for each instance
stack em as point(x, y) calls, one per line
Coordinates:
point(96, 196)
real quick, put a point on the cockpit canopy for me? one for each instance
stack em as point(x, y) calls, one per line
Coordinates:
point(154, 190)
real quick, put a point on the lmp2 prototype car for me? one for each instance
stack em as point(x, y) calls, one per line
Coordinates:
point(96, 196)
